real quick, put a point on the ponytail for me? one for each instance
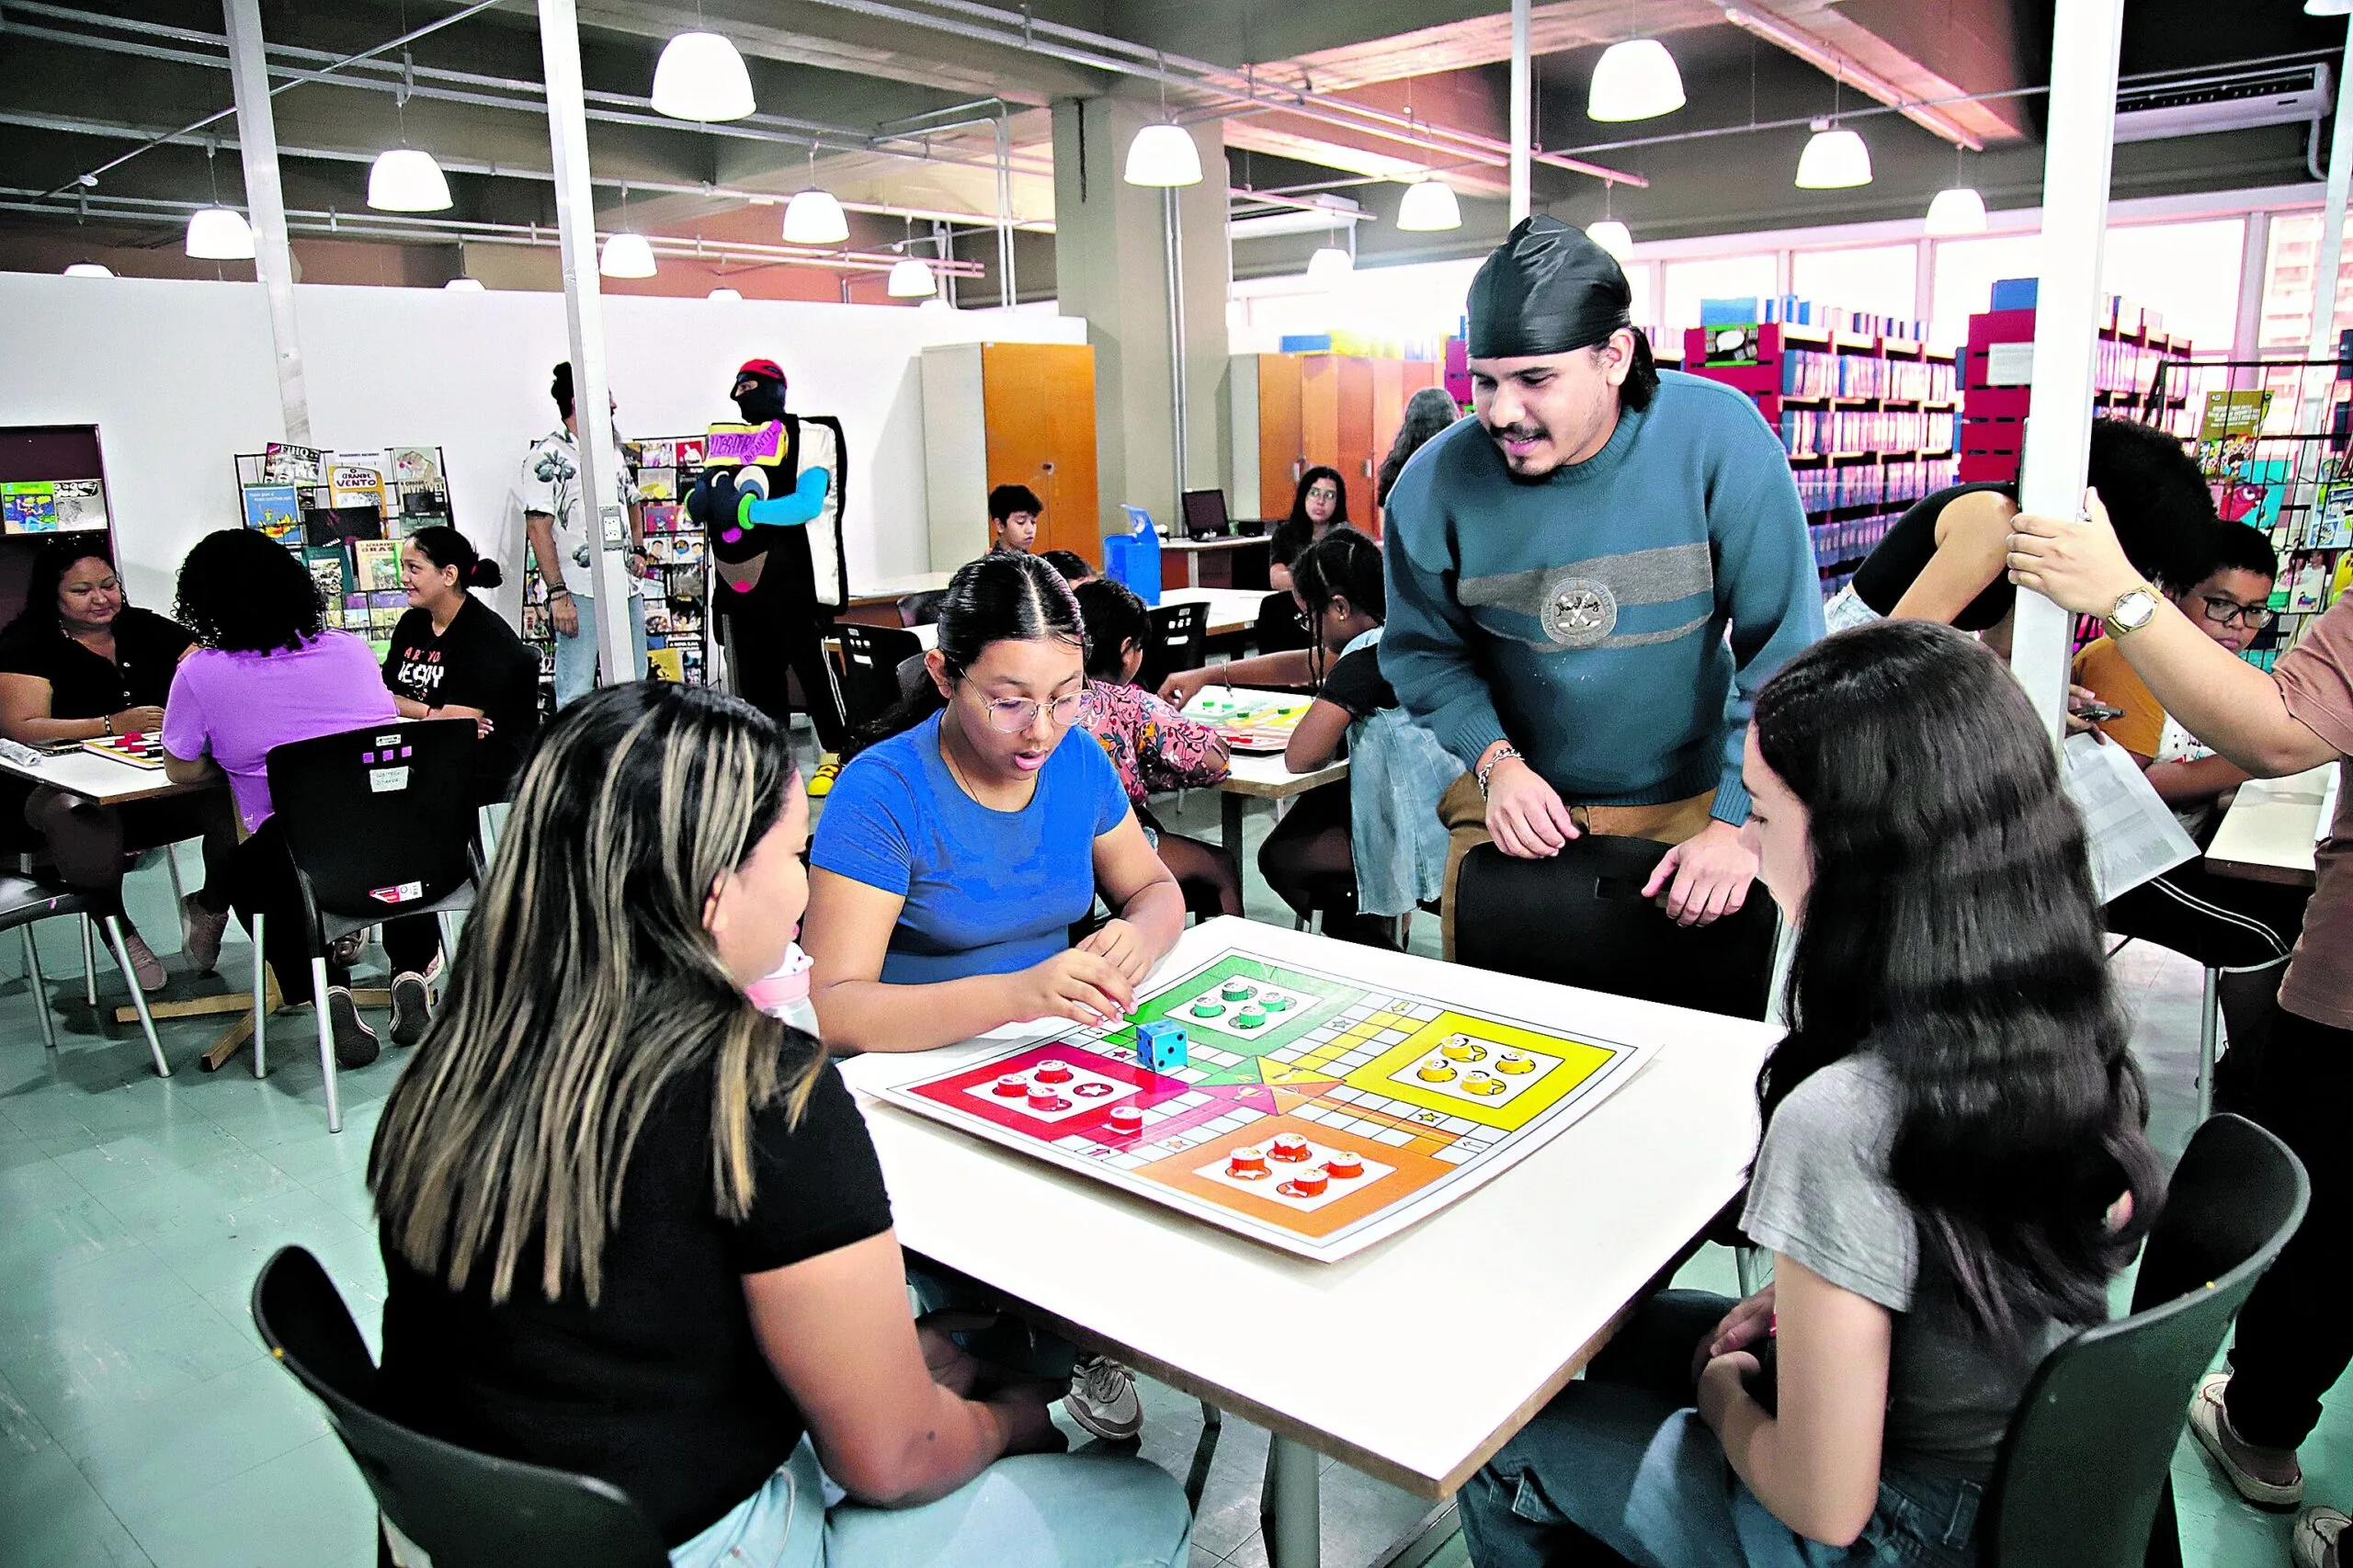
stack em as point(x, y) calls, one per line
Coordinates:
point(446, 547)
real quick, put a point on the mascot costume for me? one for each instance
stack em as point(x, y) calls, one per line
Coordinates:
point(771, 500)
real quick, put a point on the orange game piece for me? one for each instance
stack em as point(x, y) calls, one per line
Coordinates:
point(1288, 1146)
point(1345, 1166)
point(1246, 1164)
point(1306, 1184)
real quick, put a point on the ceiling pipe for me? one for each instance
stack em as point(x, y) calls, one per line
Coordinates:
point(1832, 62)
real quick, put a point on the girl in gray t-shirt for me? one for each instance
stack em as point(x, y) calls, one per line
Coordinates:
point(1952, 1169)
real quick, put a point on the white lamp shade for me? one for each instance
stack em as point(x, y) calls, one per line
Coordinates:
point(701, 77)
point(814, 218)
point(734, 296)
point(1635, 80)
point(627, 256)
point(2328, 8)
point(406, 180)
point(220, 233)
point(936, 304)
point(88, 269)
point(1429, 207)
point(1163, 154)
point(1330, 268)
point(1833, 160)
point(1960, 210)
point(911, 280)
point(1612, 236)
point(464, 286)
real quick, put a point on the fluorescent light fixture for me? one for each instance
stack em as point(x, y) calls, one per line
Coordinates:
point(2328, 8)
point(406, 180)
point(464, 286)
point(911, 280)
point(627, 256)
point(1330, 268)
point(1163, 154)
point(220, 233)
point(734, 296)
point(701, 77)
point(1635, 80)
point(88, 269)
point(814, 218)
point(1429, 207)
point(1834, 159)
point(1961, 210)
point(1317, 219)
point(1612, 236)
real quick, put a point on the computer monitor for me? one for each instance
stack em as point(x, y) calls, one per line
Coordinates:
point(1205, 514)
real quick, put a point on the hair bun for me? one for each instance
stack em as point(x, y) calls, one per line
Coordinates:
point(485, 574)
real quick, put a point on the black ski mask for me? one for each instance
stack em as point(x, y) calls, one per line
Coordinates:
point(762, 401)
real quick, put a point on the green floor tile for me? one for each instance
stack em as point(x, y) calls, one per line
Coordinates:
point(73, 1378)
point(298, 1510)
point(152, 1458)
point(52, 1517)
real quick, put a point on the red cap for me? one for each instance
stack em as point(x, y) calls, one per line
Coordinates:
point(767, 367)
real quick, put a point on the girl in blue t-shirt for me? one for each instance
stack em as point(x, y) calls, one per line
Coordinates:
point(953, 858)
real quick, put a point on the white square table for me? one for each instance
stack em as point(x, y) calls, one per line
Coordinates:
point(1414, 1360)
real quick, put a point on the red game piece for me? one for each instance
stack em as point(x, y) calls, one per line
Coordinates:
point(1012, 1087)
point(1345, 1166)
point(1127, 1119)
point(1288, 1147)
point(1043, 1098)
point(1306, 1184)
point(1054, 1073)
point(1246, 1164)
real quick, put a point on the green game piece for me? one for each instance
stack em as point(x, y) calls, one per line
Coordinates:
point(1248, 1019)
point(1206, 1010)
point(1235, 991)
point(1276, 1003)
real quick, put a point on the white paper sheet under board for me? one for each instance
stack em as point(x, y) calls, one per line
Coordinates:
point(2132, 833)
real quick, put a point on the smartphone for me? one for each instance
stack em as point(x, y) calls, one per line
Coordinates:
point(2098, 712)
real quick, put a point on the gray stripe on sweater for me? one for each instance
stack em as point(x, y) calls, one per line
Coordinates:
point(1636, 578)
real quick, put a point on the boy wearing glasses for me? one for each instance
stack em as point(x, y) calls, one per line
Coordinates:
point(2245, 928)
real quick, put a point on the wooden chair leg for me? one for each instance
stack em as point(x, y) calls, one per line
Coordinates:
point(326, 1039)
point(138, 997)
point(39, 988)
point(261, 1003)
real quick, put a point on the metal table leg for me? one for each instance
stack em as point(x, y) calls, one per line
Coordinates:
point(1289, 1513)
point(2208, 1015)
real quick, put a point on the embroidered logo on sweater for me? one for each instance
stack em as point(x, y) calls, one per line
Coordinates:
point(1579, 612)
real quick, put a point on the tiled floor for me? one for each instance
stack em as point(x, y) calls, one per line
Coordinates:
point(141, 1422)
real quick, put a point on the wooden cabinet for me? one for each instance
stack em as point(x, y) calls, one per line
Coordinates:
point(1338, 411)
point(1009, 414)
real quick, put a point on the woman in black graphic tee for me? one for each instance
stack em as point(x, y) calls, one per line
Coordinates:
point(452, 657)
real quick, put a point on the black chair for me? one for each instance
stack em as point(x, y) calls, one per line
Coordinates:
point(1580, 919)
point(2083, 1480)
point(25, 900)
point(380, 825)
point(465, 1509)
point(1279, 629)
point(921, 609)
point(911, 676)
point(871, 659)
point(1180, 641)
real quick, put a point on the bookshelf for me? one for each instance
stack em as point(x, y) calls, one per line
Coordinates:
point(344, 513)
point(1869, 421)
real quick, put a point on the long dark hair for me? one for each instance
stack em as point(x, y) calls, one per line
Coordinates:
point(47, 578)
point(2160, 504)
point(446, 547)
point(585, 986)
point(1427, 413)
point(1952, 931)
point(1115, 617)
point(1342, 562)
point(997, 598)
point(1296, 532)
point(242, 592)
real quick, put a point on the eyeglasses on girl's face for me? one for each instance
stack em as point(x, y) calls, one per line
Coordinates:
point(1011, 715)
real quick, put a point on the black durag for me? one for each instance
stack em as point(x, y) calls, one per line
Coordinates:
point(1546, 290)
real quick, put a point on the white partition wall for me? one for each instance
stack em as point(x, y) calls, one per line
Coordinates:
point(178, 377)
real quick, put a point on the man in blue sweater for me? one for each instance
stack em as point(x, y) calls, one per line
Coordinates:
point(1589, 582)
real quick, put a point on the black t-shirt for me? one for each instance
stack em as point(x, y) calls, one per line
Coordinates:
point(1356, 684)
point(661, 1388)
point(83, 685)
point(477, 663)
point(1881, 581)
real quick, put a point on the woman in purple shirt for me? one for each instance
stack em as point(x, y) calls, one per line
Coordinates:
point(266, 671)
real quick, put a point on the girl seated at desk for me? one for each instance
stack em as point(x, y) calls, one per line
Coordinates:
point(699, 1298)
point(81, 662)
point(1152, 744)
point(1953, 1167)
point(266, 671)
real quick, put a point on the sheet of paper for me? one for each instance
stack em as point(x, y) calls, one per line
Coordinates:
point(2132, 834)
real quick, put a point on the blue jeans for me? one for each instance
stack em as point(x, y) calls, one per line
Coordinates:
point(1620, 1469)
point(1031, 1511)
point(575, 657)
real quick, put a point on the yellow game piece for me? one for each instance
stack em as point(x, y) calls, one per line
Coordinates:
point(1482, 1084)
point(1513, 1062)
point(1462, 1048)
point(1434, 1072)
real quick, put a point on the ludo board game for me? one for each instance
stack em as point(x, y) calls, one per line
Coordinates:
point(1250, 722)
point(1306, 1111)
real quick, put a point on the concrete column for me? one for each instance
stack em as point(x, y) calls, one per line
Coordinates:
point(266, 208)
point(1110, 267)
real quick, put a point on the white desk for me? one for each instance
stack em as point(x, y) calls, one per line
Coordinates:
point(100, 779)
point(1364, 1360)
point(2268, 834)
point(1267, 777)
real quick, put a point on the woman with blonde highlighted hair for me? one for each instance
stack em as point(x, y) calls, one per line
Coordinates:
point(632, 1224)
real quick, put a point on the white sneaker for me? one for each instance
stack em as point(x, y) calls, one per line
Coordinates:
point(1103, 1399)
point(2283, 1487)
point(2315, 1543)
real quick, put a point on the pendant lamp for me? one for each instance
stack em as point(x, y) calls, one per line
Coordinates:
point(220, 233)
point(1329, 268)
point(1429, 207)
point(814, 218)
point(1834, 159)
point(734, 296)
point(1635, 80)
point(700, 77)
point(2328, 8)
point(404, 179)
point(1960, 210)
point(911, 280)
point(88, 269)
point(627, 256)
point(1612, 236)
point(1163, 154)
point(464, 286)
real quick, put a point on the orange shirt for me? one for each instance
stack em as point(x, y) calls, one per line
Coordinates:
point(2102, 670)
